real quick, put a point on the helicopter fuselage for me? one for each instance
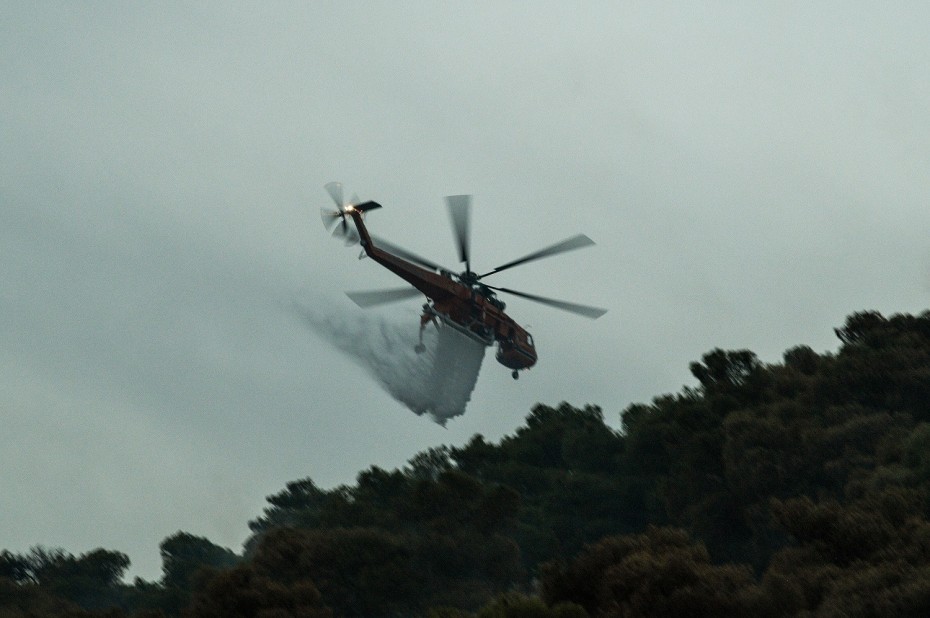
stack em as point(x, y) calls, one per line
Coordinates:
point(467, 306)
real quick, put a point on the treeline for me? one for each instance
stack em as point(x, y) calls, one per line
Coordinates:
point(800, 488)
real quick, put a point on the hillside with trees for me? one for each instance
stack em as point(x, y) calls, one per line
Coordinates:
point(800, 488)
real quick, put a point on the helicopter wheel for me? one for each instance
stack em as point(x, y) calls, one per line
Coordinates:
point(419, 348)
point(515, 375)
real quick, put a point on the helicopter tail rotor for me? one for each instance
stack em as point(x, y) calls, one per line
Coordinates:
point(336, 220)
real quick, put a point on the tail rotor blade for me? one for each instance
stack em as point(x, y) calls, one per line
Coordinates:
point(351, 238)
point(329, 217)
point(585, 310)
point(347, 234)
point(460, 211)
point(335, 191)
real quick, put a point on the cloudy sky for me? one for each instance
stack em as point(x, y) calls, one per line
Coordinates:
point(751, 172)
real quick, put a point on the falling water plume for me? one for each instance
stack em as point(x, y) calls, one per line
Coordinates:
point(437, 382)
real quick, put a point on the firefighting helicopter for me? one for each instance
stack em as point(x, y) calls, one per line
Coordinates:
point(462, 300)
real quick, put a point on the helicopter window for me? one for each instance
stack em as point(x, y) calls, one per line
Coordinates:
point(529, 339)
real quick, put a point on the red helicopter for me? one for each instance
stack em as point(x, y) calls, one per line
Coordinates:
point(459, 300)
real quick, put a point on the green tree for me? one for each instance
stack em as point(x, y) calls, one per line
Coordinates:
point(242, 592)
point(659, 573)
point(184, 554)
point(513, 605)
point(185, 557)
point(359, 572)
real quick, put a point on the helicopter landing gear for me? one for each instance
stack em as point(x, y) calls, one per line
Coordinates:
point(420, 348)
point(429, 315)
point(515, 375)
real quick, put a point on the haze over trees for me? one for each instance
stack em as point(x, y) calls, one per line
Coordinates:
point(799, 488)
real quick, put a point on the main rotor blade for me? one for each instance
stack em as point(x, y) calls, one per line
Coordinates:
point(569, 244)
point(380, 297)
point(335, 191)
point(460, 211)
point(407, 255)
point(585, 310)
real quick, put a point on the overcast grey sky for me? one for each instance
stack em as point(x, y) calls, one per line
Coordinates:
point(751, 172)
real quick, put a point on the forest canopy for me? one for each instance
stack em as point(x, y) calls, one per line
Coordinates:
point(794, 488)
